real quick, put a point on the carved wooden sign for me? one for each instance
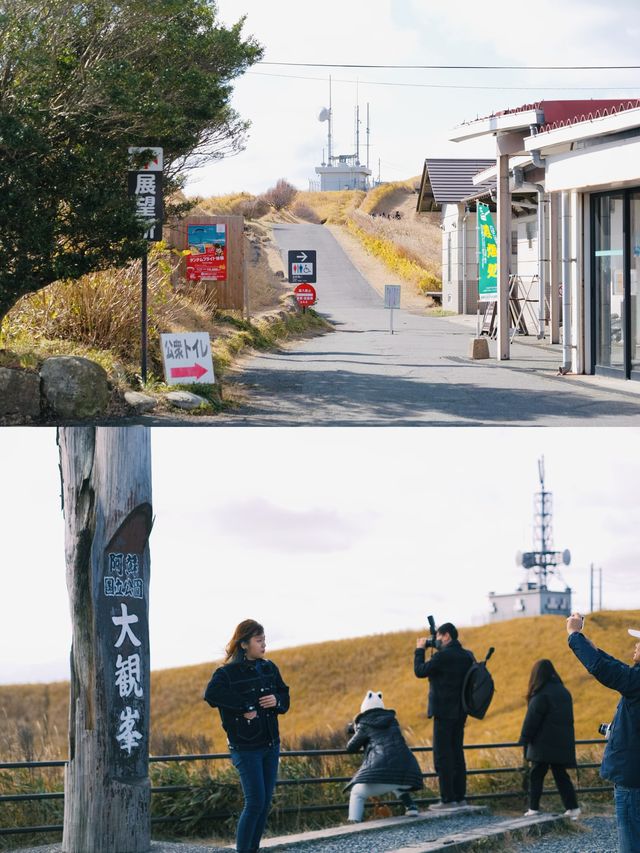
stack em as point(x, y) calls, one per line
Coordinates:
point(123, 626)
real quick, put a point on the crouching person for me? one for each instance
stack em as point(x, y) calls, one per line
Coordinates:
point(388, 766)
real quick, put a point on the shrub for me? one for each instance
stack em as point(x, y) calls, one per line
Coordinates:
point(100, 310)
point(281, 195)
point(303, 211)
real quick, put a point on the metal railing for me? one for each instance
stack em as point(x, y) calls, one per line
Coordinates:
point(314, 780)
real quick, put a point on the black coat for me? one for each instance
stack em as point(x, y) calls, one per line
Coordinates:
point(387, 758)
point(547, 730)
point(445, 670)
point(235, 689)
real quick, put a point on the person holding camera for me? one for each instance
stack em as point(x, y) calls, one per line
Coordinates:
point(250, 694)
point(548, 736)
point(446, 671)
point(621, 759)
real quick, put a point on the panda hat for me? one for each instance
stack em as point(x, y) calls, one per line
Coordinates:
point(371, 700)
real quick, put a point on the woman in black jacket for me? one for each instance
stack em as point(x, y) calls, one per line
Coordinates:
point(548, 736)
point(388, 765)
point(250, 694)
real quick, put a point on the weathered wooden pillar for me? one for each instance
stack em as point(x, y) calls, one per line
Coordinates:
point(106, 491)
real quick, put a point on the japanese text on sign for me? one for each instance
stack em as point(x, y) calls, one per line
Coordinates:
point(487, 255)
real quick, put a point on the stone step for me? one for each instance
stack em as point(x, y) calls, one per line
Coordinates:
point(514, 829)
point(286, 841)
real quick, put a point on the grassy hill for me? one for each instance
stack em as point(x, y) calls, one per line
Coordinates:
point(328, 681)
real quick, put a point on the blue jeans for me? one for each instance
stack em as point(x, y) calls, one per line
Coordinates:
point(258, 769)
point(627, 801)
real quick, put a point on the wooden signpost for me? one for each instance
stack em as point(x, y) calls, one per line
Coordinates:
point(217, 246)
point(106, 491)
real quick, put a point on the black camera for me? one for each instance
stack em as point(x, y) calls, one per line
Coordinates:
point(604, 729)
point(432, 643)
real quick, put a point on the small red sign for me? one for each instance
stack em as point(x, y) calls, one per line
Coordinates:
point(305, 294)
point(210, 264)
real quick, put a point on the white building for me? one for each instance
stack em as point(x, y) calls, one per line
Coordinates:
point(344, 172)
point(582, 158)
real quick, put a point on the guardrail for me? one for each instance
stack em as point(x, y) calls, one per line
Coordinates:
point(315, 780)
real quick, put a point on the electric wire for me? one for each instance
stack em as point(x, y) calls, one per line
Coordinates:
point(460, 67)
point(454, 85)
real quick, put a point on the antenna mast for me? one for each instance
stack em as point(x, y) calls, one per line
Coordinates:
point(330, 124)
point(368, 134)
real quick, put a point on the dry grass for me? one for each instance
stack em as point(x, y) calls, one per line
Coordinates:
point(98, 316)
point(335, 207)
point(328, 681)
point(386, 197)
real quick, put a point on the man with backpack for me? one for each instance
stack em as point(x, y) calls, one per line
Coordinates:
point(446, 671)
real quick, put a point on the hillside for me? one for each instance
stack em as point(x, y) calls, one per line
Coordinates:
point(328, 681)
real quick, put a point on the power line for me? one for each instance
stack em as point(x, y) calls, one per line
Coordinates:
point(462, 67)
point(454, 85)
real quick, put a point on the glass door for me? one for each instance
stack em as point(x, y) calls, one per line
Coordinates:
point(610, 302)
point(634, 280)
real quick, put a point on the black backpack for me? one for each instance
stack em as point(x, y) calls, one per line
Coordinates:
point(478, 688)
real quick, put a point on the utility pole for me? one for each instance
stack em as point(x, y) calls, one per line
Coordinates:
point(106, 495)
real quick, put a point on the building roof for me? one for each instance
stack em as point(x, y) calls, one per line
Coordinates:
point(448, 181)
point(546, 114)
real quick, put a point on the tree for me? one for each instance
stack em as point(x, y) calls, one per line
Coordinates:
point(106, 490)
point(80, 82)
point(280, 196)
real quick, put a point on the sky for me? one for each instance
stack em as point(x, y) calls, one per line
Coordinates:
point(412, 111)
point(323, 533)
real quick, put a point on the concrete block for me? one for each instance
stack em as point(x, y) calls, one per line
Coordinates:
point(478, 348)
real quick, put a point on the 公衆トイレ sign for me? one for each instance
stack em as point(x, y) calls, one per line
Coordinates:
point(187, 358)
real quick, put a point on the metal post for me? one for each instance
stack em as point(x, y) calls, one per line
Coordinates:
point(504, 252)
point(600, 590)
point(542, 261)
point(554, 267)
point(565, 217)
point(245, 281)
point(391, 320)
point(144, 319)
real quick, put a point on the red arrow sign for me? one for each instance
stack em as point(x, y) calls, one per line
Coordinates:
point(196, 370)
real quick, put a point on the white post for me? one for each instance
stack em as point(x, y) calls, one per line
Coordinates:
point(504, 252)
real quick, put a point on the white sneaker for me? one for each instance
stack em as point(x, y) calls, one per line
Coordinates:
point(442, 807)
point(412, 811)
point(574, 814)
point(531, 812)
point(461, 804)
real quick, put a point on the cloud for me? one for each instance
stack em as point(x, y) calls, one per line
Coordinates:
point(261, 524)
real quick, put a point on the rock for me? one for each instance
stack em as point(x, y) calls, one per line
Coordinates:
point(185, 400)
point(140, 403)
point(19, 392)
point(74, 387)
point(478, 348)
point(279, 274)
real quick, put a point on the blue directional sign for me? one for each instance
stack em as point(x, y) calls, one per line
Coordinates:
point(302, 266)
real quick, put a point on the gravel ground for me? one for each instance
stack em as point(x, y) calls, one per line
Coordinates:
point(391, 839)
point(156, 847)
point(593, 835)
point(598, 835)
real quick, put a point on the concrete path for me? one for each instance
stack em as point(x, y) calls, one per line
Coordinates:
point(361, 375)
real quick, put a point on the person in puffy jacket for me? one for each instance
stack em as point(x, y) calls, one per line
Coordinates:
point(548, 736)
point(388, 765)
point(621, 759)
point(250, 695)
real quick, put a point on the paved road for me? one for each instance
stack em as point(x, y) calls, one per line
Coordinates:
point(361, 375)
